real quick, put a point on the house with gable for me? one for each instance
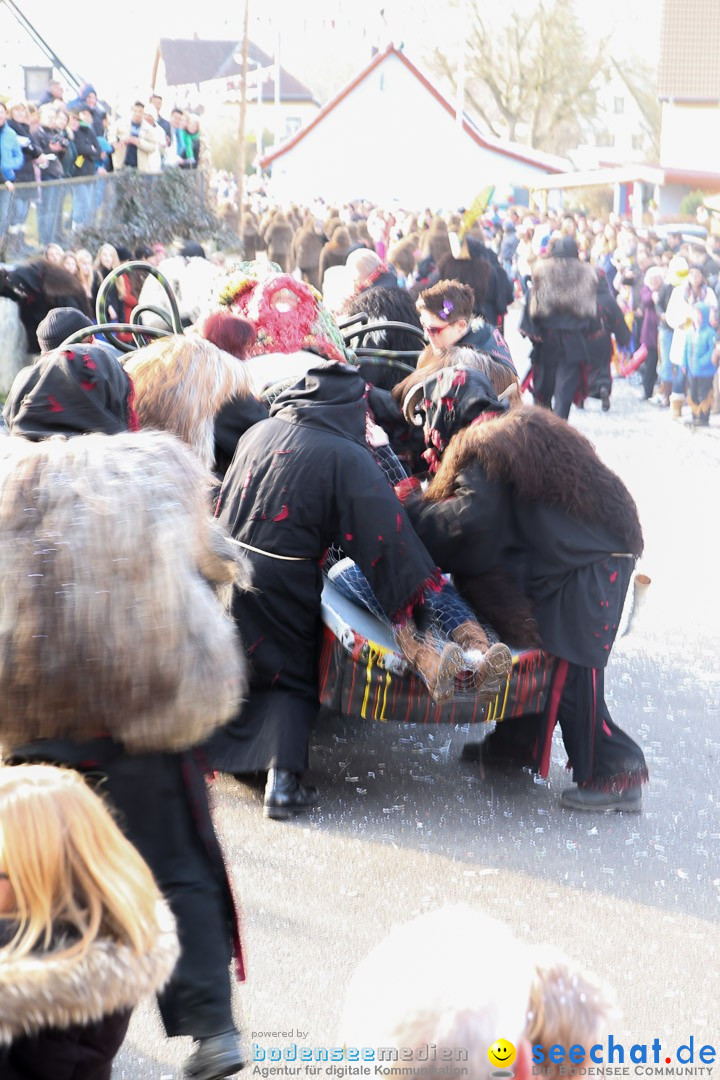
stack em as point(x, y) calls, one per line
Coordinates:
point(392, 137)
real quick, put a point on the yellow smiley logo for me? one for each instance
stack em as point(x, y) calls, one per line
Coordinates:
point(501, 1054)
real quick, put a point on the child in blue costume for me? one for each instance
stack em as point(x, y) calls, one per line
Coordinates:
point(698, 365)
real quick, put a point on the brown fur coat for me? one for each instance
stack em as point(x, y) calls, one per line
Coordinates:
point(545, 460)
point(109, 621)
point(548, 461)
point(563, 287)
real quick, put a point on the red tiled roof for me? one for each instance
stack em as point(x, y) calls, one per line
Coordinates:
point(527, 155)
point(690, 50)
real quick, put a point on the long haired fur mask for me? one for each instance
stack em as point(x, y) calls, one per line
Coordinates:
point(181, 383)
point(108, 621)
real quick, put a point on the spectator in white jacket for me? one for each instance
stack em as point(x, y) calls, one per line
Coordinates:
point(141, 142)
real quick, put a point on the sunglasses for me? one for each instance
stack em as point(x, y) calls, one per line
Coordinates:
point(431, 331)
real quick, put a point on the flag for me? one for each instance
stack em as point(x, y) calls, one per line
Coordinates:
point(477, 208)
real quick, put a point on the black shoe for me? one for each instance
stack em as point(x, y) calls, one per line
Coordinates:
point(586, 798)
point(285, 795)
point(605, 398)
point(216, 1056)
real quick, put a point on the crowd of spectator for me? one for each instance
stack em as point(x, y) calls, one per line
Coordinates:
point(637, 269)
point(82, 139)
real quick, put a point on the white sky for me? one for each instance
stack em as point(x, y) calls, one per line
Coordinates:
point(113, 46)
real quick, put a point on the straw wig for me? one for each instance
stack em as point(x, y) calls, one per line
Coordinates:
point(181, 383)
point(108, 622)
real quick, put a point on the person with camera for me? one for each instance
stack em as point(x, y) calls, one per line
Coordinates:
point(50, 137)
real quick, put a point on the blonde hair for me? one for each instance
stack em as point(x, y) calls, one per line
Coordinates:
point(181, 383)
point(88, 277)
point(98, 264)
point(567, 1005)
point(70, 867)
point(120, 283)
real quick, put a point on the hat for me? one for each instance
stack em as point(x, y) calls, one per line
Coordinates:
point(565, 248)
point(58, 325)
point(678, 270)
point(191, 250)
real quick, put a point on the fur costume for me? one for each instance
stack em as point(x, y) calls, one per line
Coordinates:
point(107, 620)
point(181, 384)
point(473, 272)
point(335, 252)
point(278, 240)
point(391, 305)
point(40, 991)
point(563, 286)
point(306, 249)
point(545, 460)
point(402, 256)
point(39, 286)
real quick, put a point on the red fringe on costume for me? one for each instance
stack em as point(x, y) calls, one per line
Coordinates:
point(435, 583)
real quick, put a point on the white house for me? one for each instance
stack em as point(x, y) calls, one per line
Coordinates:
point(623, 133)
point(689, 92)
point(390, 136)
point(689, 85)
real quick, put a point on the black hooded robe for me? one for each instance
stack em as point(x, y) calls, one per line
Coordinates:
point(299, 482)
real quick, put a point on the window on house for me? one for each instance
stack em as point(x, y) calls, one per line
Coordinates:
point(292, 124)
point(638, 142)
point(619, 106)
point(604, 138)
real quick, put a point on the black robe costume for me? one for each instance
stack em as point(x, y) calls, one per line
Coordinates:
point(300, 482)
point(608, 323)
point(524, 493)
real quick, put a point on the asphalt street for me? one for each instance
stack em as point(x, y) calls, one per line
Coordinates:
point(403, 826)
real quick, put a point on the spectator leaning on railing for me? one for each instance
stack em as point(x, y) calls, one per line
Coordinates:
point(11, 159)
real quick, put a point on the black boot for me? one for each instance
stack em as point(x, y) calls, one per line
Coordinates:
point(215, 1057)
point(592, 799)
point(285, 795)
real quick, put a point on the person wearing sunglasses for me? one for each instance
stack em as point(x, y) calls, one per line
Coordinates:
point(446, 316)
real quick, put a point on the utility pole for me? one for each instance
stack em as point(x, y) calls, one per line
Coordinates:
point(278, 108)
point(460, 94)
point(241, 124)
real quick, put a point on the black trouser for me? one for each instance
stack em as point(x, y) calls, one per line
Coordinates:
point(649, 372)
point(165, 812)
point(555, 385)
point(601, 754)
point(163, 809)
